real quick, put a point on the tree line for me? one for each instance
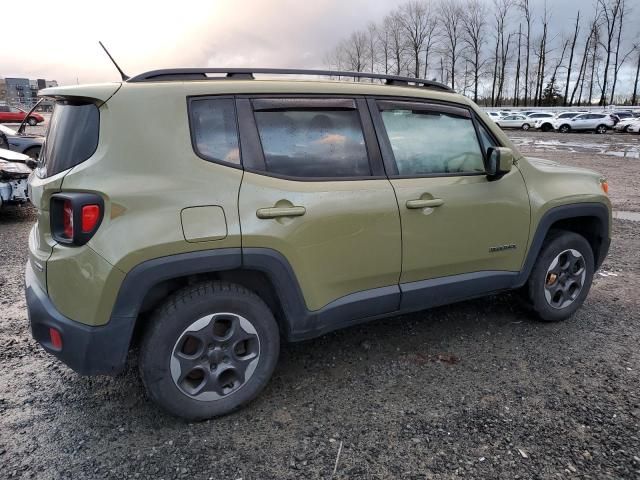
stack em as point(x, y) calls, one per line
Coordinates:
point(503, 52)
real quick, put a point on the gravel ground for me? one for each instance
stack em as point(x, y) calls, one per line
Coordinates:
point(474, 390)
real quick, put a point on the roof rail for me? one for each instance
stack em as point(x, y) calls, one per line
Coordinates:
point(182, 74)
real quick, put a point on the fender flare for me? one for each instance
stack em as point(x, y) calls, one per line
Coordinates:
point(563, 212)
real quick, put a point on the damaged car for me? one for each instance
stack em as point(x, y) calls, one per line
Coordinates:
point(15, 169)
point(20, 141)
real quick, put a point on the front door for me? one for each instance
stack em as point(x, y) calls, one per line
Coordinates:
point(455, 221)
point(312, 193)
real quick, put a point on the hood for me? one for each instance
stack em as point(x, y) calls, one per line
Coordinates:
point(11, 156)
point(548, 166)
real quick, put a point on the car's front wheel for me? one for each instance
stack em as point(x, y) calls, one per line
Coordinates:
point(210, 348)
point(601, 129)
point(561, 277)
point(526, 126)
point(564, 129)
point(32, 121)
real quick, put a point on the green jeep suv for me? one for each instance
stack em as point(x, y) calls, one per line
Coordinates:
point(204, 216)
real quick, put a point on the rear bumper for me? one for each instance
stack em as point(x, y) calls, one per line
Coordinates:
point(87, 350)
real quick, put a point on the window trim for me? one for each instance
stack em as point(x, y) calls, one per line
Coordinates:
point(194, 146)
point(385, 144)
point(257, 163)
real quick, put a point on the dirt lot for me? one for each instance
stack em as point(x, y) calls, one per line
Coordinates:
point(474, 390)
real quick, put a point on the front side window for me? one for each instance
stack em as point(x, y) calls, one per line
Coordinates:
point(313, 143)
point(214, 129)
point(431, 142)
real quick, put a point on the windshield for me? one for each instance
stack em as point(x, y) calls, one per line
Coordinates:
point(7, 130)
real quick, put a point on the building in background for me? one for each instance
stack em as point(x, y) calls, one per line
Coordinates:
point(23, 92)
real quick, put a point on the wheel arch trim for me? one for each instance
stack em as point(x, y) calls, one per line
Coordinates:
point(565, 212)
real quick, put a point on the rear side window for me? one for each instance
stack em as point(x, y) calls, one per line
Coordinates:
point(427, 143)
point(313, 143)
point(214, 130)
point(72, 136)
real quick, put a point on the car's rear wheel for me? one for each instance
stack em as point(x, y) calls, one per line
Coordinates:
point(601, 129)
point(564, 129)
point(210, 348)
point(32, 121)
point(561, 277)
point(526, 126)
point(546, 127)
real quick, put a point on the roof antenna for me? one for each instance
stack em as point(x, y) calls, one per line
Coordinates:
point(124, 76)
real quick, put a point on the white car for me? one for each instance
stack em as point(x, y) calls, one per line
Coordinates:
point(623, 125)
point(541, 121)
point(597, 122)
point(634, 128)
point(514, 121)
point(14, 173)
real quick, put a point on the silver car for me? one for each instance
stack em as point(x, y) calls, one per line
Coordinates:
point(514, 121)
point(21, 142)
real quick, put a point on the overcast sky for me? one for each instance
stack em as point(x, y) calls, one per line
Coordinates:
point(149, 34)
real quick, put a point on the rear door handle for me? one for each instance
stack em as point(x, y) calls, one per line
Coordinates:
point(425, 203)
point(276, 212)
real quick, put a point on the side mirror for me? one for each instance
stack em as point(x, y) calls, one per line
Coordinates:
point(500, 161)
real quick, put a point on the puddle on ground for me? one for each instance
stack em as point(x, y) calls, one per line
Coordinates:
point(622, 215)
point(622, 148)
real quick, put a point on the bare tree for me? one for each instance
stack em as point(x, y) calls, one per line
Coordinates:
point(451, 24)
point(502, 8)
point(503, 64)
point(383, 35)
point(618, 64)
point(398, 44)
point(526, 10)
point(634, 97)
point(573, 46)
point(542, 57)
point(594, 58)
point(516, 87)
point(583, 66)
point(610, 11)
point(354, 51)
point(372, 46)
point(414, 18)
point(473, 27)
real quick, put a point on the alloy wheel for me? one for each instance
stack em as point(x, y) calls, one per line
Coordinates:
point(215, 356)
point(565, 278)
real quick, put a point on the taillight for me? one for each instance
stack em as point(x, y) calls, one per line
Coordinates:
point(75, 217)
point(67, 219)
point(90, 217)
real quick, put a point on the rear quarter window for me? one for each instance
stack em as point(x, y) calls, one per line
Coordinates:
point(72, 136)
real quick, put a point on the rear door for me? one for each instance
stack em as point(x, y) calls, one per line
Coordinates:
point(315, 192)
point(455, 221)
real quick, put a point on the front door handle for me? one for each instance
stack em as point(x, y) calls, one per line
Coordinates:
point(276, 212)
point(425, 203)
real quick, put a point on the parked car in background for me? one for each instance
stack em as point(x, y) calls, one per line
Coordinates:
point(14, 174)
point(541, 121)
point(494, 115)
point(634, 128)
point(597, 122)
point(17, 115)
point(21, 142)
point(623, 125)
point(514, 121)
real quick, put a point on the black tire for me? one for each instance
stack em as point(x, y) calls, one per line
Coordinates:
point(33, 152)
point(600, 129)
point(625, 129)
point(564, 129)
point(546, 127)
point(556, 244)
point(169, 325)
point(526, 126)
point(32, 121)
